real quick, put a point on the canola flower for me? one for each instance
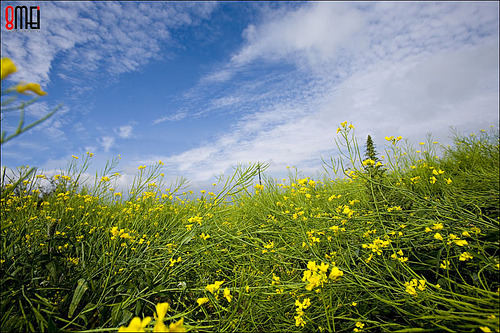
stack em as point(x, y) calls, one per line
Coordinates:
point(7, 67)
point(301, 306)
point(413, 285)
point(316, 275)
point(33, 87)
point(359, 326)
point(214, 287)
point(139, 325)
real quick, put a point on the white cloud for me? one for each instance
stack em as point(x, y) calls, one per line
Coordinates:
point(390, 68)
point(315, 32)
point(107, 142)
point(173, 117)
point(95, 38)
point(124, 132)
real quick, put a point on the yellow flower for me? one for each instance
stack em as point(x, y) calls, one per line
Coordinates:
point(460, 242)
point(227, 294)
point(466, 234)
point(136, 325)
point(259, 187)
point(8, 67)
point(437, 235)
point(421, 285)
point(75, 157)
point(465, 256)
point(214, 287)
point(445, 264)
point(205, 237)
point(177, 327)
point(115, 231)
point(335, 273)
point(410, 289)
point(33, 87)
point(161, 311)
point(485, 329)
point(437, 226)
point(202, 300)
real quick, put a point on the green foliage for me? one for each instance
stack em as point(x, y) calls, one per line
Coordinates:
point(422, 257)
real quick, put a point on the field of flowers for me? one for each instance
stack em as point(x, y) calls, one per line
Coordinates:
point(404, 241)
point(414, 248)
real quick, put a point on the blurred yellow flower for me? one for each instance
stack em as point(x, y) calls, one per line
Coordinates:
point(136, 325)
point(8, 67)
point(202, 300)
point(465, 256)
point(460, 242)
point(437, 235)
point(445, 264)
point(437, 226)
point(335, 273)
point(227, 294)
point(176, 327)
point(33, 87)
point(161, 311)
point(214, 287)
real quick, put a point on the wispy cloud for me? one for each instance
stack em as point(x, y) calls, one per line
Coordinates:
point(391, 68)
point(112, 38)
point(124, 132)
point(107, 142)
point(171, 117)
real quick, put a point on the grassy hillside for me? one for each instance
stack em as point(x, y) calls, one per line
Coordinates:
point(410, 245)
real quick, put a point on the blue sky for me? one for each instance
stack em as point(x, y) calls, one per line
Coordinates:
point(204, 86)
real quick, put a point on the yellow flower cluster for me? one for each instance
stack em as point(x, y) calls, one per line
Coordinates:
point(268, 247)
point(401, 258)
point(413, 285)
point(213, 289)
point(377, 245)
point(315, 275)
point(195, 219)
point(138, 325)
point(301, 306)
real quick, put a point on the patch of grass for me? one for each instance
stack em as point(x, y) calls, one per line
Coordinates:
point(414, 249)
